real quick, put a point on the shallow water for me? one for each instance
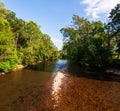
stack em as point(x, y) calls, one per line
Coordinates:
point(18, 84)
point(59, 86)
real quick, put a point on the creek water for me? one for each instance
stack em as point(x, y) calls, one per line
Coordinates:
point(59, 86)
point(17, 85)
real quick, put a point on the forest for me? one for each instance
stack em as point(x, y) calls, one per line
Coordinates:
point(83, 76)
point(93, 42)
point(22, 42)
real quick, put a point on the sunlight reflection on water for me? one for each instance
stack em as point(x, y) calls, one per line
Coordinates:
point(59, 76)
point(56, 87)
point(60, 65)
point(58, 80)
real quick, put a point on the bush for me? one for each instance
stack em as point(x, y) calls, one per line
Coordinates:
point(5, 66)
point(13, 62)
point(9, 64)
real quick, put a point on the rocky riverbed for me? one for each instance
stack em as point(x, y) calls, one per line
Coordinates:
point(30, 90)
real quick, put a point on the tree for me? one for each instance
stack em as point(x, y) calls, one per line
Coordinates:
point(3, 11)
point(86, 41)
point(29, 41)
point(17, 26)
point(114, 27)
point(22, 42)
point(48, 49)
point(8, 56)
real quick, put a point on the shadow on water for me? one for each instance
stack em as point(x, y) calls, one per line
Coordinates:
point(53, 67)
point(78, 70)
point(45, 67)
point(75, 69)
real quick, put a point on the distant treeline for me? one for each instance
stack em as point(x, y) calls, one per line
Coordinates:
point(93, 42)
point(22, 42)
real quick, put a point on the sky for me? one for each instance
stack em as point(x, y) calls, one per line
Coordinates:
point(52, 15)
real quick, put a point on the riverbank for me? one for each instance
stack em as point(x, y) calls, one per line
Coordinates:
point(19, 66)
point(110, 69)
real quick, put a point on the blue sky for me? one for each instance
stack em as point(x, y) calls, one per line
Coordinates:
point(52, 15)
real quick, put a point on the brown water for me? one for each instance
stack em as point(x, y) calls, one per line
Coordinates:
point(59, 86)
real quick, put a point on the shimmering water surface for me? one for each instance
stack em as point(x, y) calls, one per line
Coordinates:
point(18, 84)
point(59, 86)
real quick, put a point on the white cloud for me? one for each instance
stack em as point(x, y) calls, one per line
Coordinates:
point(97, 7)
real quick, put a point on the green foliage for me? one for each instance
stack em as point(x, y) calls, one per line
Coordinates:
point(9, 64)
point(7, 47)
point(22, 42)
point(86, 41)
point(13, 61)
point(3, 11)
point(93, 42)
point(114, 28)
point(4, 66)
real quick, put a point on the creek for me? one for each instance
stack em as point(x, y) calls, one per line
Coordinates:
point(59, 86)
